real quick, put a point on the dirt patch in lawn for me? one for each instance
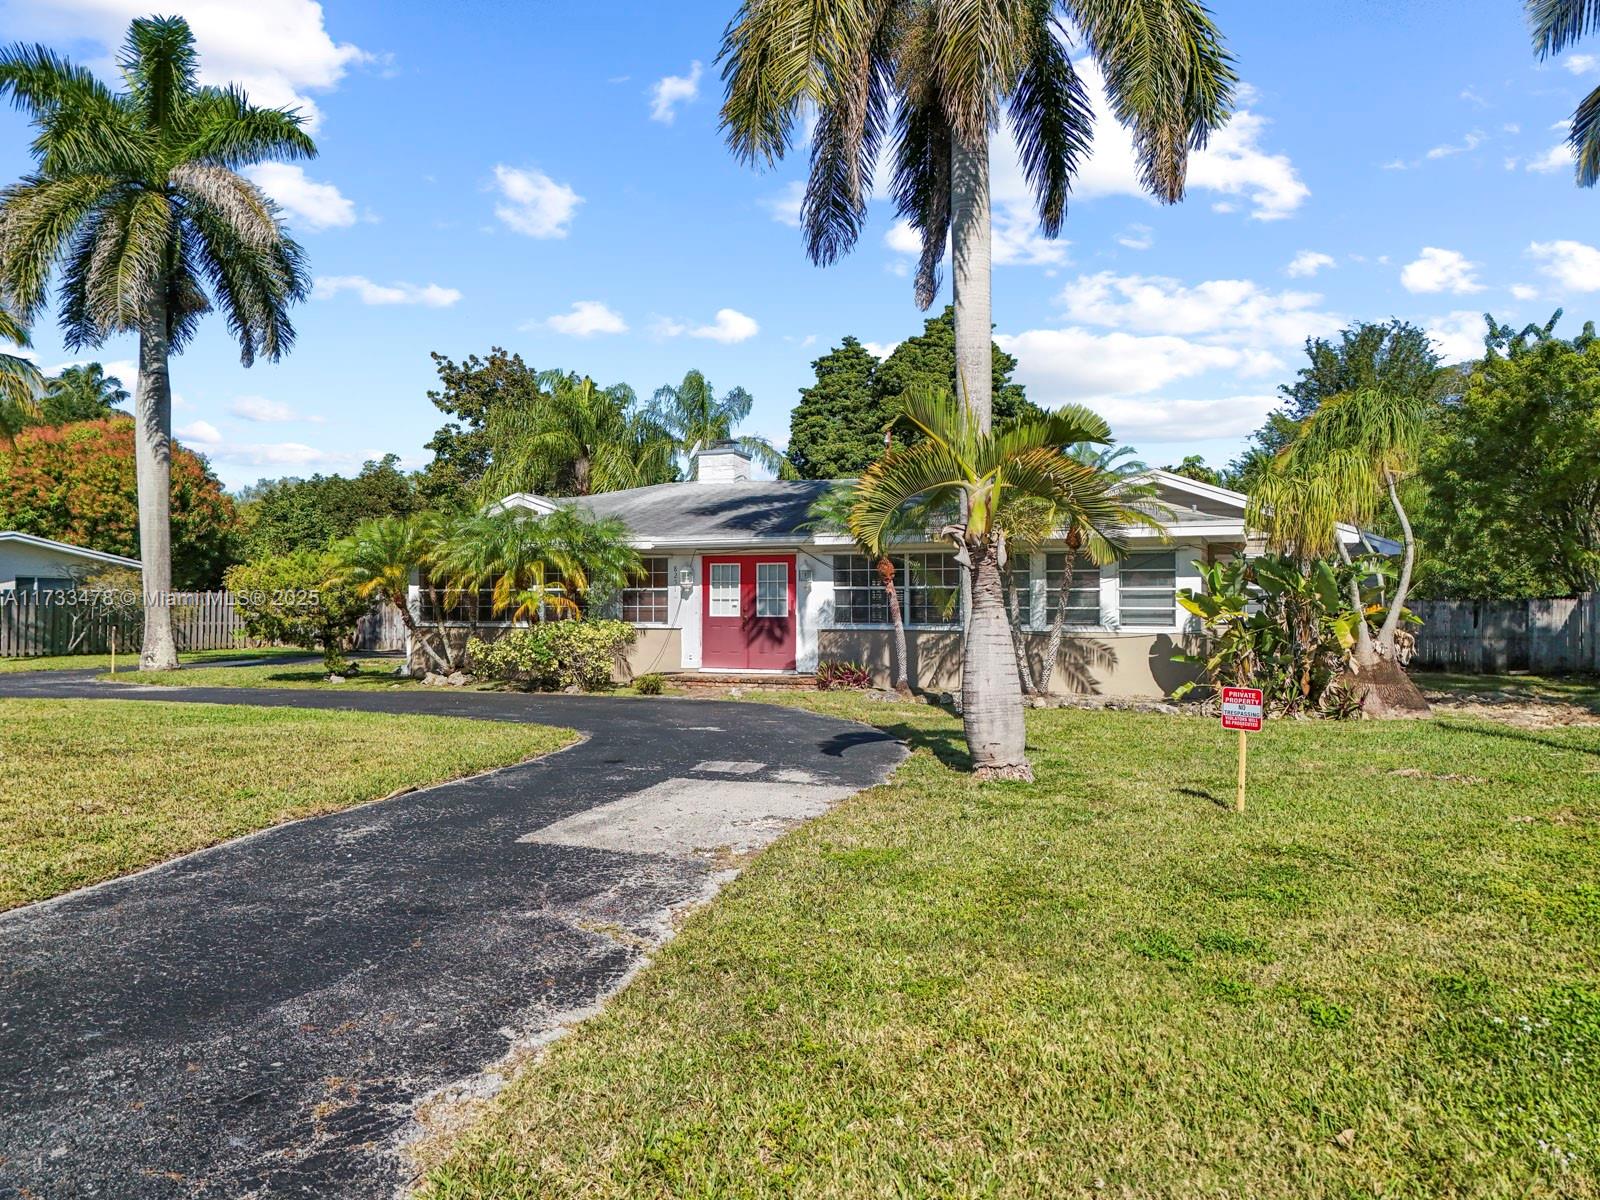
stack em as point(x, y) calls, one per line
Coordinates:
point(1513, 708)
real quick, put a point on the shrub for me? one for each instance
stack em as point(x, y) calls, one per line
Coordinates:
point(553, 655)
point(300, 599)
point(650, 685)
point(836, 674)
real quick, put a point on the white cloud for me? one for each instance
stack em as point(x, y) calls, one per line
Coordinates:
point(1222, 311)
point(277, 50)
point(1308, 263)
point(880, 349)
point(785, 206)
point(1438, 270)
point(1017, 241)
point(282, 454)
point(587, 318)
point(1558, 158)
point(430, 295)
point(1523, 291)
point(903, 239)
point(1468, 144)
point(673, 90)
point(1458, 336)
point(1177, 419)
point(1079, 365)
point(318, 205)
point(1573, 265)
point(1137, 237)
point(730, 326)
point(200, 433)
point(1581, 64)
point(264, 411)
point(533, 203)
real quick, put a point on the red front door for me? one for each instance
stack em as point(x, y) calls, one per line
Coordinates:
point(747, 614)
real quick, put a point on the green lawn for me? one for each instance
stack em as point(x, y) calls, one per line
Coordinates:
point(130, 662)
point(375, 673)
point(94, 789)
point(1582, 690)
point(1107, 984)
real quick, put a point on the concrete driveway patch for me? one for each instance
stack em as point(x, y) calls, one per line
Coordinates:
point(263, 1017)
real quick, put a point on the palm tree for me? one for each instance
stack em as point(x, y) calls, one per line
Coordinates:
point(575, 439)
point(956, 465)
point(82, 393)
point(1345, 464)
point(136, 204)
point(939, 71)
point(695, 417)
point(1556, 25)
point(20, 382)
point(377, 560)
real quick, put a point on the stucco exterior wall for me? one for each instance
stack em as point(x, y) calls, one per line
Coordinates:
point(655, 649)
point(1092, 664)
point(19, 558)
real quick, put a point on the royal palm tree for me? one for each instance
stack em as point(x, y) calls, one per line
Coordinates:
point(575, 439)
point(377, 560)
point(82, 393)
point(939, 72)
point(137, 207)
point(1556, 25)
point(1345, 464)
point(20, 381)
point(695, 417)
point(958, 466)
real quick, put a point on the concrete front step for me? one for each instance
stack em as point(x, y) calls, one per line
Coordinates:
point(722, 679)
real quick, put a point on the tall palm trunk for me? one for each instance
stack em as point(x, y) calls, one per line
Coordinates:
point(1391, 621)
point(991, 690)
point(152, 438)
point(971, 261)
point(1058, 625)
point(891, 596)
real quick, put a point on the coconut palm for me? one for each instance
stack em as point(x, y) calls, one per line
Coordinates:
point(1556, 25)
point(939, 72)
point(135, 204)
point(377, 560)
point(695, 417)
point(20, 381)
point(957, 466)
point(575, 439)
point(82, 393)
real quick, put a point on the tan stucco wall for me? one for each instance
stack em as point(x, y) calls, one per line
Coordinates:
point(1094, 664)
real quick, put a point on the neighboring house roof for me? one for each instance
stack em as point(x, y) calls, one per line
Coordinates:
point(747, 511)
point(83, 552)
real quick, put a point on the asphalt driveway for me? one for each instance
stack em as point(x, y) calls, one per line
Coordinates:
point(263, 1017)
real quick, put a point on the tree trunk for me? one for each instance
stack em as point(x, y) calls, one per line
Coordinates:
point(970, 271)
point(1019, 639)
point(1366, 653)
point(991, 692)
point(1052, 649)
point(1391, 621)
point(152, 440)
point(891, 596)
point(403, 603)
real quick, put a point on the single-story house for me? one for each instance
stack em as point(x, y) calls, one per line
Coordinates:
point(738, 579)
point(37, 564)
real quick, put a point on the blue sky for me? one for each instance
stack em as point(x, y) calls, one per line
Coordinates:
point(549, 178)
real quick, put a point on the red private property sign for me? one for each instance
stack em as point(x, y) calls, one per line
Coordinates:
point(1241, 709)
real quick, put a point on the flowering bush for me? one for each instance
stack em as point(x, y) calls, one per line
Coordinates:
point(553, 655)
point(833, 674)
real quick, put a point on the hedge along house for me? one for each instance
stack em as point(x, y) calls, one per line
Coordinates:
point(738, 579)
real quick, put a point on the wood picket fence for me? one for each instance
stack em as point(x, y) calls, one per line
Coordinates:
point(1557, 636)
point(33, 624)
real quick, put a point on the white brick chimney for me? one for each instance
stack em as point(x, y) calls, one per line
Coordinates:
point(722, 462)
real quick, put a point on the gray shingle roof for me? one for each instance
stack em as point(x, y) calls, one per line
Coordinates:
point(713, 512)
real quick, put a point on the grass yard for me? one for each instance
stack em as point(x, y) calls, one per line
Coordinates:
point(130, 662)
point(1580, 690)
point(1383, 979)
point(94, 789)
point(374, 673)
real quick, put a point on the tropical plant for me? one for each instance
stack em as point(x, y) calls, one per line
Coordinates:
point(378, 560)
point(1273, 624)
point(695, 417)
point(83, 392)
point(20, 381)
point(300, 598)
point(1557, 24)
point(940, 72)
point(960, 467)
point(652, 683)
point(575, 439)
point(565, 654)
point(536, 567)
point(280, 515)
point(834, 674)
point(137, 205)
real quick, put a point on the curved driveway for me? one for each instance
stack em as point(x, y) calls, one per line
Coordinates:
point(261, 1018)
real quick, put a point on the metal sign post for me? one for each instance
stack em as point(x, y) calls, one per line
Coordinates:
point(1241, 710)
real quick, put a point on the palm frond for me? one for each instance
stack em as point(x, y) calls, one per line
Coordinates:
point(1052, 120)
point(159, 62)
point(226, 130)
point(851, 120)
point(1585, 139)
point(1556, 24)
point(903, 475)
point(39, 217)
point(922, 185)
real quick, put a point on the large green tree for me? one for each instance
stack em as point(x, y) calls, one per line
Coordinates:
point(288, 514)
point(1556, 25)
point(932, 78)
point(928, 361)
point(1513, 491)
point(694, 416)
point(837, 428)
point(81, 393)
point(470, 391)
point(136, 206)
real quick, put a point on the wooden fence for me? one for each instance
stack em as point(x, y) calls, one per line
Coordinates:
point(1493, 636)
point(43, 623)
